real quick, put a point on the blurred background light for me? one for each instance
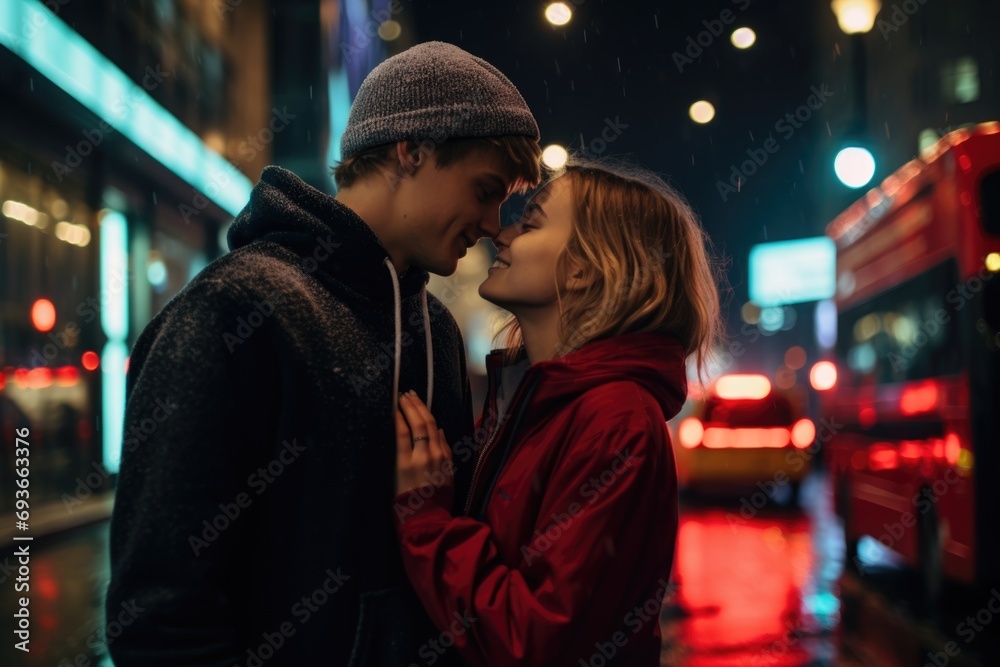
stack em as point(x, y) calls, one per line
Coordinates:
point(390, 30)
point(854, 166)
point(702, 112)
point(555, 156)
point(43, 315)
point(558, 13)
point(743, 38)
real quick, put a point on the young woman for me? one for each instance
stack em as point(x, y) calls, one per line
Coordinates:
point(561, 552)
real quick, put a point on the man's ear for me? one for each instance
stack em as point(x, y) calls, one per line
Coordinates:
point(410, 156)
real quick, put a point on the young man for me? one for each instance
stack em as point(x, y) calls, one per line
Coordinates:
point(253, 521)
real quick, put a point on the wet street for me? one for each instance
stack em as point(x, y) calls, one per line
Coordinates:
point(763, 588)
point(755, 588)
point(69, 574)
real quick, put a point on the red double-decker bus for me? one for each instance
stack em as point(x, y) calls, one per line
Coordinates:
point(915, 457)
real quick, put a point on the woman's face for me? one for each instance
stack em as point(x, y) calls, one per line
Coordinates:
point(524, 276)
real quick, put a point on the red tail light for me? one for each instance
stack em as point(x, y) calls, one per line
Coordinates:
point(690, 432)
point(719, 437)
point(803, 433)
point(919, 398)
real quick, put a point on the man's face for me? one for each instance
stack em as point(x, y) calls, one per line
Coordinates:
point(445, 211)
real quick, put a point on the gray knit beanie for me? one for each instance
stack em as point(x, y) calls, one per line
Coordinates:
point(434, 91)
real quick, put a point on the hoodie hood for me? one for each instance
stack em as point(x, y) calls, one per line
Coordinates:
point(333, 240)
point(288, 211)
point(656, 361)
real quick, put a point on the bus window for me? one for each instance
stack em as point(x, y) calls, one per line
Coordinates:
point(906, 333)
point(989, 197)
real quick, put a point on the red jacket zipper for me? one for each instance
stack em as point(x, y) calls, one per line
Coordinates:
point(500, 427)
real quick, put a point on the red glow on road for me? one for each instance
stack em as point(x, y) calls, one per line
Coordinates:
point(742, 581)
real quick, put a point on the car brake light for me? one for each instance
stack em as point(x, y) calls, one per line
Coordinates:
point(720, 437)
point(803, 433)
point(690, 432)
point(920, 398)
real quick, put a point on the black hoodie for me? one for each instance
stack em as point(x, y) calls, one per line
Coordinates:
point(253, 520)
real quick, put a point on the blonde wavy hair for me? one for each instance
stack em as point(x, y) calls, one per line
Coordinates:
point(654, 269)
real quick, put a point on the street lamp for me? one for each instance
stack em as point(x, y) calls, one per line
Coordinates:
point(855, 166)
point(856, 16)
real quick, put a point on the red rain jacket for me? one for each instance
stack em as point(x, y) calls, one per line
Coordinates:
point(563, 557)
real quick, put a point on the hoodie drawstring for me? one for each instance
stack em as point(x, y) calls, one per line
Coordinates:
point(399, 339)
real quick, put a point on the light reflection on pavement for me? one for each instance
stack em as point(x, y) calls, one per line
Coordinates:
point(757, 588)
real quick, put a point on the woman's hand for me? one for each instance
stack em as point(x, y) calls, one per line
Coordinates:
point(426, 462)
